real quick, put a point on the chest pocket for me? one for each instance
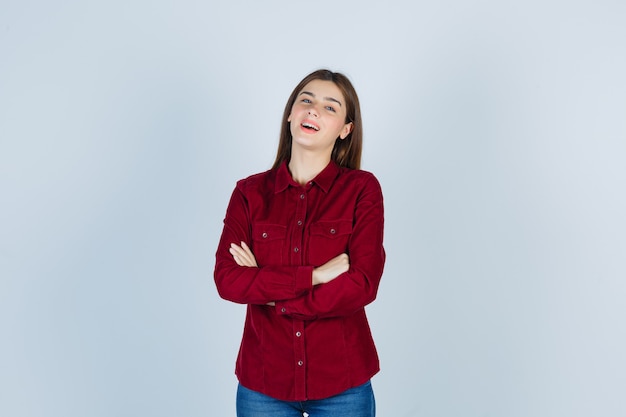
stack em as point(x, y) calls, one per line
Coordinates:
point(328, 238)
point(267, 243)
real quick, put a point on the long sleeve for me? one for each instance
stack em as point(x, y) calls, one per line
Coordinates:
point(291, 229)
point(253, 285)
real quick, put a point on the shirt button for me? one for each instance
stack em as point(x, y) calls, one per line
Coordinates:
point(301, 196)
point(282, 310)
point(300, 363)
point(299, 222)
point(264, 235)
point(333, 231)
point(298, 334)
point(296, 249)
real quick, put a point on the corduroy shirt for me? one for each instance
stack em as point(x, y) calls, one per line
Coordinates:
point(316, 341)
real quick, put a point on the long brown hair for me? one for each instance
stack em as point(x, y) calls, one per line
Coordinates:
point(346, 152)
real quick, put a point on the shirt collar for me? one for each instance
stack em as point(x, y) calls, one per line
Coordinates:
point(324, 179)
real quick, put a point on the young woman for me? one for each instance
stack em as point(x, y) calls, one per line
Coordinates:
point(302, 246)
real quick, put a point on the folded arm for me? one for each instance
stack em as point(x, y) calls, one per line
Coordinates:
point(358, 285)
point(247, 284)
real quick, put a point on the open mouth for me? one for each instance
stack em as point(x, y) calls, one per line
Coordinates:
point(310, 127)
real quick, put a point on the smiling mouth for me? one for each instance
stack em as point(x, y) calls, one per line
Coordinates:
point(310, 126)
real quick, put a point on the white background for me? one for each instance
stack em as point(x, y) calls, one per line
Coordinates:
point(497, 130)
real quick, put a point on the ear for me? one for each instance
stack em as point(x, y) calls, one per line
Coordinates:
point(289, 118)
point(345, 131)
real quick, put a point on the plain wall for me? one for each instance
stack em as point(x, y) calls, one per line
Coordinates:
point(496, 128)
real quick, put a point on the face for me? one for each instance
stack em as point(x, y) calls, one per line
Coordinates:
point(318, 117)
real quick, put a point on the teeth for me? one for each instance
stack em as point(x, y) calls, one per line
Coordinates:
point(310, 125)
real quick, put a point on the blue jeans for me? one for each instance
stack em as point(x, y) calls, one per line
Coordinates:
point(355, 402)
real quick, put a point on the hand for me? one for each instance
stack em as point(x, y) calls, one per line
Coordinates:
point(331, 269)
point(243, 255)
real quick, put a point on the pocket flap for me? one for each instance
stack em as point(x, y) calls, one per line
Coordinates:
point(331, 228)
point(267, 232)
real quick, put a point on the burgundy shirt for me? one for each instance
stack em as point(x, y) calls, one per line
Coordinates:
point(316, 341)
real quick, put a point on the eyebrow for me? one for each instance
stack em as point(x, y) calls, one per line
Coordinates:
point(325, 98)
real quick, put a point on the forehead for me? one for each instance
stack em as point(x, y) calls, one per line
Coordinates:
point(324, 89)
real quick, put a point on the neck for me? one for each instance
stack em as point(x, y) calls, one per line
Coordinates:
point(305, 167)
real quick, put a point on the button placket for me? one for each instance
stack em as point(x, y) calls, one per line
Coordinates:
point(297, 253)
point(297, 234)
point(299, 353)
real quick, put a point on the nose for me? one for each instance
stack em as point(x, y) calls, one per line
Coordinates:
point(313, 111)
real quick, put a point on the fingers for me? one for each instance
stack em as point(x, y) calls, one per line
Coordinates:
point(251, 260)
point(239, 255)
point(340, 262)
point(242, 255)
point(331, 269)
point(343, 259)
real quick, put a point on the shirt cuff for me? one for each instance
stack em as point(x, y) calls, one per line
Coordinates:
point(304, 280)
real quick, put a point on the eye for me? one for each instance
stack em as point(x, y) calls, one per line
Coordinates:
point(331, 108)
point(306, 100)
